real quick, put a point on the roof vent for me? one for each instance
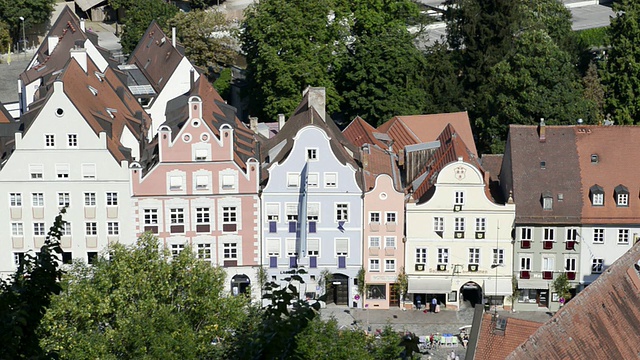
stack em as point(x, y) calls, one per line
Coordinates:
point(560, 196)
point(594, 158)
point(93, 90)
point(543, 164)
point(501, 324)
point(112, 112)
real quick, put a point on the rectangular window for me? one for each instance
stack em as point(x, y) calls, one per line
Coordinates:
point(151, 216)
point(390, 242)
point(204, 252)
point(313, 211)
point(598, 236)
point(377, 291)
point(17, 229)
point(474, 256)
point(481, 224)
point(342, 212)
point(525, 234)
point(113, 228)
point(176, 249)
point(203, 215)
point(374, 241)
point(342, 247)
point(597, 266)
point(312, 154)
point(330, 180)
point(548, 264)
point(525, 263)
point(15, 199)
point(498, 256)
point(49, 140)
point(459, 224)
point(421, 255)
point(62, 171)
point(458, 198)
point(176, 216)
point(313, 247)
point(293, 180)
point(38, 229)
point(598, 199)
point(374, 217)
point(570, 264)
point(438, 224)
point(391, 217)
point(201, 155)
point(443, 256)
point(547, 203)
point(112, 199)
point(313, 180)
point(623, 199)
point(292, 212)
point(291, 247)
point(228, 182)
point(72, 140)
point(89, 171)
point(64, 200)
point(37, 199)
point(374, 264)
point(549, 234)
point(175, 183)
point(91, 228)
point(66, 229)
point(572, 234)
point(89, 199)
point(623, 236)
point(230, 250)
point(202, 182)
point(273, 212)
point(390, 265)
point(229, 214)
point(36, 171)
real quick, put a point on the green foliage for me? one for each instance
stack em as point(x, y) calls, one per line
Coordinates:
point(596, 37)
point(402, 283)
point(5, 38)
point(26, 295)
point(208, 37)
point(387, 345)
point(594, 92)
point(622, 71)
point(139, 14)
point(34, 12)
point(362, 286)
point(562, 287)
point(360, 51)
point(139, 303)
point(322, 340)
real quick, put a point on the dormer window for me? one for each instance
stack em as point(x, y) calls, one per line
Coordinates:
point(597, 195)
point(621, 195)
point(594, 158)
point(547, 201)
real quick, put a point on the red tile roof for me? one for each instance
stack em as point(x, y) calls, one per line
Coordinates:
point(497, 345)
point(360, 132)
point(375, 162)
point(5, 117)
point(601, 322)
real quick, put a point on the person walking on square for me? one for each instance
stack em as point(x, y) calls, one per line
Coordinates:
point(419, 302)
point(434, 302)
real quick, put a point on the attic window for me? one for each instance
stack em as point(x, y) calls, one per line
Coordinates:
point(93, 90)
point(594, 158)
point(547, 201)
point(597, 195)
point(543, 164)
point(621, 194)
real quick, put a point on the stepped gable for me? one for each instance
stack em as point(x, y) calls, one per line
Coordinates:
point(155, 57)
point(452, 147)
point(544, 165)
point(602, 152)
point(415, 129)
point(360, 132)
point(215, 113)
point(601, 322)
point(96, 96)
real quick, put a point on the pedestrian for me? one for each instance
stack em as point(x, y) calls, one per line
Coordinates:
point(419, 302)
point(453, 355)
point(434, 302)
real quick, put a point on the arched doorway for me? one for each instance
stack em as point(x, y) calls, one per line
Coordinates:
point(470, 294)
point(240, 284)
point(339, 290)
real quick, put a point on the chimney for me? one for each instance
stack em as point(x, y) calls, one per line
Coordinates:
point(318, 100)
point(82, 25)
point(253, 124)
point(173, 36)
point(280, 121)
point(192, 76)
point(52, 41)
point(542, 131)
point(81, 57)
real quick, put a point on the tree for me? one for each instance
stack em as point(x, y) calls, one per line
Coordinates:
point(594, 92)
point(34, 12)
point(141, 303)
point(537, 81)
point(562, 287)
point(622, 69)
point(322, 340)
point(26, 295)
point(5, 38)
point(209, 38)
point(402, 285)
point(139, 14)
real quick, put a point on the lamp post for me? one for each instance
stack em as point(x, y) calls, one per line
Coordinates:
point(23, 35)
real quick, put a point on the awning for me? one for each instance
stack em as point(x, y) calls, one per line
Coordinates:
point(429, 285)
point(533, 284)
point(504, 287)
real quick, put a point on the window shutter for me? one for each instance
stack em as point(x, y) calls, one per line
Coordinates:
point(313, 245)
point(175, 182)
point(202, 181)
point(342, 245)
point(273, 246)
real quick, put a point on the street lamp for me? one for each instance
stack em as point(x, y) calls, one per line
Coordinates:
point(24, 38)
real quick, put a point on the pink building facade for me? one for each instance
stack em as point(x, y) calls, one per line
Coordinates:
point(198, 188)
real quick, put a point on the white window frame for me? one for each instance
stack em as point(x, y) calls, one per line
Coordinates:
point(72, 140)
point(374, 217)
point(597, 265)
point(111, 198)
point(498, 256)
point(598, 235)
point(313, 180)
point(228, 182)
point(176, 182)
point(547, 203)
point(49, 140)
point(203, 215)
point(389, 265)
point(459, 224)
point(548, 263)
point(36, 171)
point(481, 224)
point(623, 236)
point(64, 199)
point(443, 256)
point(525, 263)
point(622, 199)
point(570, 264)
point(113, 228)
point(458, 197)
point(230, 251)
point(177, 216)
point(342, 212)
point(176, 249)
point(151, 217)
point(272, 211)
point(63, 171)
point(571, 234)
point(422, 255)
point(474, 256)
point(330, 180)
point(374, 241)
point(15, 199)
point(230, 214)
point(17, 229)
point(598, 199)
point(438, 223)
point(390, 242)
point(311, 154)
point(293, 180)
point(89, 171)
point(291, 211)
point(202, 182)
point(200, 155)
point(37, 199)
point(313, 212)
point(89, 199)
point(391, 217)
point(204, 251)
point(549, 234)
point(39, 229)
point(374, 265)
point(91, 228)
